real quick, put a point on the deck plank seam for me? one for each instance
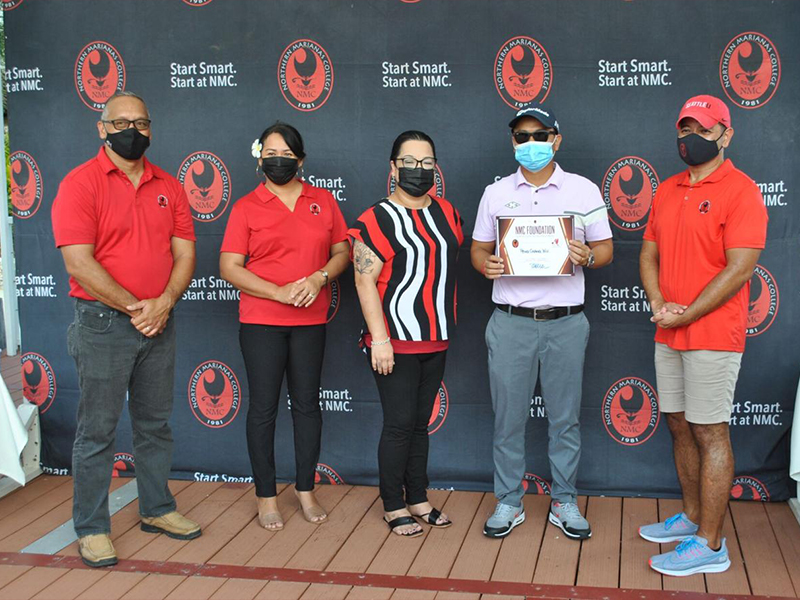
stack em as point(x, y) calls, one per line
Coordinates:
point(308, 576)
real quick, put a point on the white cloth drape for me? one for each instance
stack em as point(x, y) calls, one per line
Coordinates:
point(794, 466)
point(13, 437)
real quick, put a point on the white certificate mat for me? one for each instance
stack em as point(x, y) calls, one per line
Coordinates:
point(535, 246)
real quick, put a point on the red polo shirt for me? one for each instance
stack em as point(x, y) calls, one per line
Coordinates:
point(131, 228)
point(283, 246)
point(693, 225)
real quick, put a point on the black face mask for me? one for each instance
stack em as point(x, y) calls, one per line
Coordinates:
point(695, 150)
point(415, 182)
point(129, 143)
point(279, 169)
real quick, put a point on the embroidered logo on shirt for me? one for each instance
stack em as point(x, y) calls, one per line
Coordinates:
point(163, 201)
point(512, 205)
point(705, 206)
point(315, 209)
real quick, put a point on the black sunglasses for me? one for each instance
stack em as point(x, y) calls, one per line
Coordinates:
point(541, 135)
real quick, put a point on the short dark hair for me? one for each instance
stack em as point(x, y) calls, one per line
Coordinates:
point(289, 134)
point(411, 135)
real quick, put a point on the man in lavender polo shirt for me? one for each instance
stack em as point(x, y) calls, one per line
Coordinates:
point(538, 321)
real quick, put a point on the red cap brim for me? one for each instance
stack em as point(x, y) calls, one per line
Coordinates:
point(700, 116)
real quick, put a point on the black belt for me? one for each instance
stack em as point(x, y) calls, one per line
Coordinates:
point(541, 314)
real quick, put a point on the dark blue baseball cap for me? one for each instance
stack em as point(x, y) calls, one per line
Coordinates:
point(544, 115)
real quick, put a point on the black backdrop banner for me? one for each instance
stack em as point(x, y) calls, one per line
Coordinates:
point(351, 76)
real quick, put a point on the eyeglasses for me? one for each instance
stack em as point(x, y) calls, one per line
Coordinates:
point(123, 124)
point(540, 135)
point(409, 162)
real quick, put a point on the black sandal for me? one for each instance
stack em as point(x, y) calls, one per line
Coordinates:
point(432, 518)
point(399, 521)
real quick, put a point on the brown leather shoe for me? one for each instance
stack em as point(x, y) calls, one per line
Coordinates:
point(173, 524)
point(97, 550)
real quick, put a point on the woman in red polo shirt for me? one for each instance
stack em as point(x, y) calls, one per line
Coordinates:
point(284, 242)
point(404, 251)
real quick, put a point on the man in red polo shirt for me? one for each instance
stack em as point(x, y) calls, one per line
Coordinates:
point(125, 231)
point(706, 231)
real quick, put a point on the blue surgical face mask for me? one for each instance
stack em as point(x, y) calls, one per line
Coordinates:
point(534, 156)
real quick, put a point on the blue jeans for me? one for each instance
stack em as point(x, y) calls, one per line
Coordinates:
point(112, 359)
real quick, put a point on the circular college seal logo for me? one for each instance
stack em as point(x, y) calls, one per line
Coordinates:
point(26, 185)
point(750, 70)
point(325, 474)
point(629, 187)
point(207, 184)
point(11, 4)
point(630, 411)
point(214, 394)
point(333, 308)
point(197, 2)
point(749, 488)
point(522, 72)
point(123, 463)
point(764, 302)
point(99, 72)
point(38, 381)
point(441, 405)
point(305, 75)
point(437, 189)
point(533, 484)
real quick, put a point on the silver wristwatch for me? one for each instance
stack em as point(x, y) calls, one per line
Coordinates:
point(325, 275)
point(590, 262)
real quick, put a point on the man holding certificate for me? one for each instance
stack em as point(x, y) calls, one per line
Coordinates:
point(535, 232)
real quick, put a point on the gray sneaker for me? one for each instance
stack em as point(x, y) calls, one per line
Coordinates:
point(567, 517)
point(503, 520)
point(692, 556)
point(675, 529)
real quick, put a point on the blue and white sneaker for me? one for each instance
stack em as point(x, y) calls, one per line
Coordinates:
point(692, 556)
point(504, 518)
point(674, 529)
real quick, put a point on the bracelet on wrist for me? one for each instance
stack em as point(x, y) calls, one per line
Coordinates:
point(373, 343)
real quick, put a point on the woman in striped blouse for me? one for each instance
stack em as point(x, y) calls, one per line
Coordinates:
point(404, 252)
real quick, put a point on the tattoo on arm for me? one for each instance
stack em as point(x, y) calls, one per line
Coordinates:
point(363, 258)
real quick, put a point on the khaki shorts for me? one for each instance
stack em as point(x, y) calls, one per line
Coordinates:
point(699, 383)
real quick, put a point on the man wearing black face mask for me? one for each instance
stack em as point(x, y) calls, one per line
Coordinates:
point(706, 230)
point(125, 232)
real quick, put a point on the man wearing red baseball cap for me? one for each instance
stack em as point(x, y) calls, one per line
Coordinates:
point(706, 230)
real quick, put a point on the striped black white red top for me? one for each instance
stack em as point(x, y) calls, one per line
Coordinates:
point(419, 248)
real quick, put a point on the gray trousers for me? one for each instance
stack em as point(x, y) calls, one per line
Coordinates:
point(517, 346)
point(113, 358)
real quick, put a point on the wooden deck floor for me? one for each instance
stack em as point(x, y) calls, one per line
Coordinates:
point(12, 375)
point(235, 558)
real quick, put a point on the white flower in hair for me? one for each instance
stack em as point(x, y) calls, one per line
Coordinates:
point(255, 149)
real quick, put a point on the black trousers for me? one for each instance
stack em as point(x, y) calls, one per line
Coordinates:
point(407, 396)
point(270, 351)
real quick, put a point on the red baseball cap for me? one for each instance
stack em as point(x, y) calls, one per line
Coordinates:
point(707, 110)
